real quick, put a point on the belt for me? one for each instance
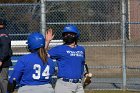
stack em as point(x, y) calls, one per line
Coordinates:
point(72, 80)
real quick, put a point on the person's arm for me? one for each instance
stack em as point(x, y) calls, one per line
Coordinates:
point(48, 37)
point(87, 75)
point(83, 63)
point(17, 72)
point(5, 48)
point(16, 76)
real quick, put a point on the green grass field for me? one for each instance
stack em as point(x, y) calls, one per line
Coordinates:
point(111, 91)
point(108, 91)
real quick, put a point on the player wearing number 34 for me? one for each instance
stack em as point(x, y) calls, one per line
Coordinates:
point(33, 71)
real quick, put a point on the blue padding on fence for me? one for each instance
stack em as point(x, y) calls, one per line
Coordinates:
point(14, 60)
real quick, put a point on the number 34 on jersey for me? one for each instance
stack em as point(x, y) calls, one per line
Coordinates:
point(38, 72)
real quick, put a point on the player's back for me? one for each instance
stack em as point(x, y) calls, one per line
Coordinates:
point(34, 71)
point(69, 60)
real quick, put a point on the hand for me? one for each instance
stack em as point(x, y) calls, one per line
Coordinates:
point(0, 63)
point(49, 35)
point(87, 79)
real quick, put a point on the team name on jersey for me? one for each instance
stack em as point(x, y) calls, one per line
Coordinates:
point(75, 53)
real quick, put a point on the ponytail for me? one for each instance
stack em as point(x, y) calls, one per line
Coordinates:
point(42, 54)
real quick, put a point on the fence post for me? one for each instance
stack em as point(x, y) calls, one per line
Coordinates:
point(124, 43)
point(43, 17)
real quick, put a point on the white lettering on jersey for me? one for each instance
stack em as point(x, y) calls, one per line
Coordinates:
point(37, 74)
point(75, 53)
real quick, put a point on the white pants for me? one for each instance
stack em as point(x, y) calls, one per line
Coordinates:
point(68, 87)
point(47, 88)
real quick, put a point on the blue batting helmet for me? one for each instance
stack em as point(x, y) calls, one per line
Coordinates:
point(71, 28)
point(35, 40)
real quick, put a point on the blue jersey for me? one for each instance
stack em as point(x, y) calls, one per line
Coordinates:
point(30, 70)
point(70, 61)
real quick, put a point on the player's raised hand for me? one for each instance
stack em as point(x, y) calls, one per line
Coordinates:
point(49, 35)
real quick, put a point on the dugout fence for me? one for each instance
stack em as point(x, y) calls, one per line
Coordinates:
point(109, 32)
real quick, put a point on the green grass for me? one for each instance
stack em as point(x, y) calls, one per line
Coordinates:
point(107, 91)
point(111, 91)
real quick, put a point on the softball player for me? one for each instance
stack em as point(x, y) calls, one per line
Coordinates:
point(33, 71)
point(71, 60)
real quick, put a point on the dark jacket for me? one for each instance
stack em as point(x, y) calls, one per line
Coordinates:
point(5, 49)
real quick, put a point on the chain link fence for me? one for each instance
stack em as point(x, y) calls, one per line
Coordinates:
point(100, 24)
point(112, 43)
point(22, 19)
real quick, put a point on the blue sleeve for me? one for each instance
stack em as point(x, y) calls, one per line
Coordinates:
point(83, 63)
point(54, 53)
point(18, 71)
